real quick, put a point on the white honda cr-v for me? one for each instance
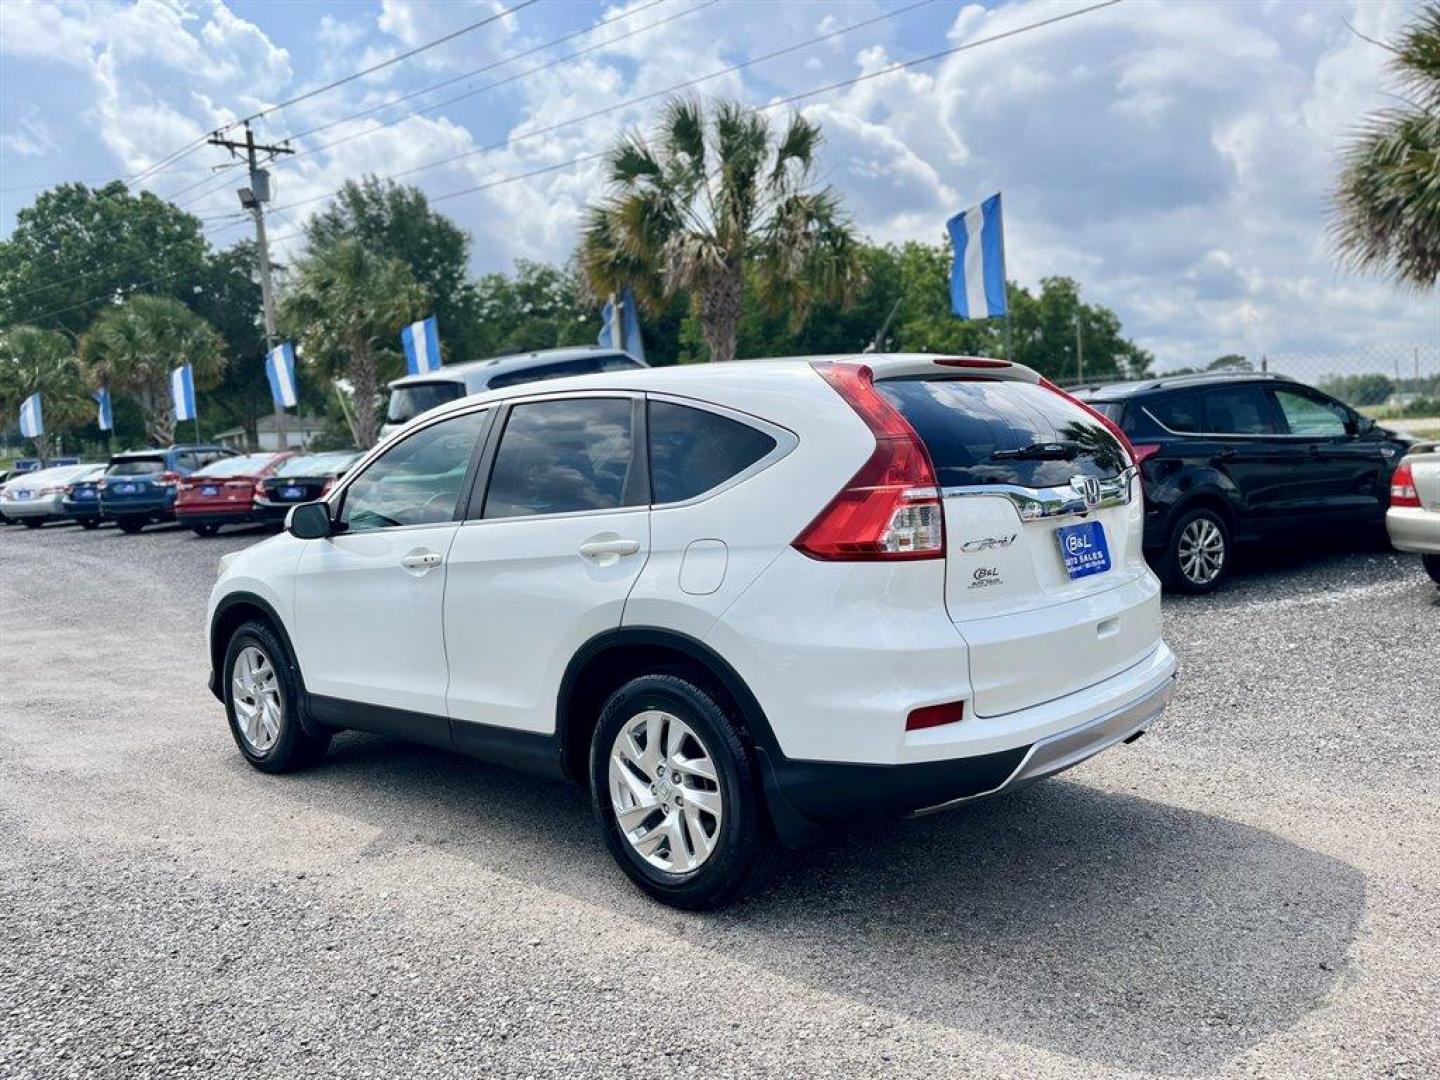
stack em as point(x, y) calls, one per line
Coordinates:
point(741, 601)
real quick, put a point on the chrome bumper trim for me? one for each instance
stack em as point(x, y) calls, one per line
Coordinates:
point(1065, 749)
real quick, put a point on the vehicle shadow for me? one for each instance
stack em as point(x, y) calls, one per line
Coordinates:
point(1122, 931)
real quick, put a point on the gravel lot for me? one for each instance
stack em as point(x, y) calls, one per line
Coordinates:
point(1251, 890)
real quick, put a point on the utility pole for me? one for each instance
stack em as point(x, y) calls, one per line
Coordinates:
point(1079, 353)
point(254, 199)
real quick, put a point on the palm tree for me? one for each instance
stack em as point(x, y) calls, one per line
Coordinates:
point(346, 307)
point(133, 348)
point(32, 359)
point(1387, 204)
point(707, 199)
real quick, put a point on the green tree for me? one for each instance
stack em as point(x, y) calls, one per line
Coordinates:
point(34, 360)
point(709, 198)
point(132, 349)
point(227, 295)
point(538, 307)
point(1387, 203)
point(1230, 362)
point(78, 250)
point(1374, 389)
point(396, 221)
point(346, 306)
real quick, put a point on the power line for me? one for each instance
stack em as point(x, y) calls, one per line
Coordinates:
point(535, 133)
point(506, 81)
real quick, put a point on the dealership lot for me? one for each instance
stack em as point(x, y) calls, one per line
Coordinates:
point(1252, 889)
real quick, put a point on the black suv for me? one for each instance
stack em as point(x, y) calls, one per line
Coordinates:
point(1229, 458)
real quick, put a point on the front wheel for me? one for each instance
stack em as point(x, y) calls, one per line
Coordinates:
point(262, 701)
point(33, 523)
point(89, 523)
point(1197, 558)
point(208, 529)
point(677, 794)
point(1432, 567)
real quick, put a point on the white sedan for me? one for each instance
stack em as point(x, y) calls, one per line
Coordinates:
point(34, 498)
point(1414, 515)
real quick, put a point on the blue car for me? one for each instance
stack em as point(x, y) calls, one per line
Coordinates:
point(139, 486)
point(81, 501)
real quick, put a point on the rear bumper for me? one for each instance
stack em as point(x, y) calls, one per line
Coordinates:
point(44, 507)
point(146, 508)
point(1413, 528)
point(805, 796)
point(265, 510)
point(213, 515)
point(89, 508)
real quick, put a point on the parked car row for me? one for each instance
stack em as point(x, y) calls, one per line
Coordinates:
point(202, 487)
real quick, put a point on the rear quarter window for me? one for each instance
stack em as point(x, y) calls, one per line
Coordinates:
point(1181, 413)
point(693, 451)
point(408, 402)
point(1238, 410)
point(965, 423)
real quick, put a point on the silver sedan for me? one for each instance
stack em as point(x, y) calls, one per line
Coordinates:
point(1414, 515)
point(35, 497)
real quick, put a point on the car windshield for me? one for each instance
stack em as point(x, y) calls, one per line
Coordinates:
point(147, 466)
point(990, 432)
point(248, 465)
point(408, 402)
point(317, 464)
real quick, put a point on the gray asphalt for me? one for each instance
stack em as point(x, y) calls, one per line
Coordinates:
point(1253, 889)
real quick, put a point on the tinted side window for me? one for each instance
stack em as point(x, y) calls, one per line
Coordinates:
point(417, 481)
point(692, 451)
point(1183, 413)
point(1238, 410)
point(556, 457)
point(586, 366)
point(1305, 415)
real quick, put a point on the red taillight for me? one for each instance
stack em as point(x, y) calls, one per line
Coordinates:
point(1110, 425)
point(1141, 451)
point(69, 489)
point(238, 484)
point(952, 712)
point(891, 508)
point(973, 362)
point(260, 488)
point(166, 479)
point(1402, 487)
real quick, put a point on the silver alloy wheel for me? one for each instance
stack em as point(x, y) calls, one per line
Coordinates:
point(665, 792)
point(259, 705)
point(1201, 551)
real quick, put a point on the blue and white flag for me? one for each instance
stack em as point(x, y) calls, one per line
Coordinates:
point(280, 371)
point(632, 342)
point(977, 279)
point(32, 422)
point(103, 416)
point(422, 346)
point(182, 392)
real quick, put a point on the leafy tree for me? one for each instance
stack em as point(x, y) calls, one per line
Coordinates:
point(1360, 390)
point(538, 307)
point(132, 349)
point(710, 198)
point(227, 295)
point(1230, 362)
point(346, 306)
point(396, 221)
point(34, 360)
point(1387, 203)
point(78, 250)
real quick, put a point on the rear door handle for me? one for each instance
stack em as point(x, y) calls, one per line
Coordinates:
point(422, 560)
point(595, 549)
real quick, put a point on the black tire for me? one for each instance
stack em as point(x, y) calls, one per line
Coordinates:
point(33, 523)
point(205, 530)
point(1432, 567)
point(89, 523)
point(130, 524)
point(1193, 526)
point(743, 843)
point(293, 748)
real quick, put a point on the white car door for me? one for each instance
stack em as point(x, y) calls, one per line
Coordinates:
point(368, 600)
point(548, 560)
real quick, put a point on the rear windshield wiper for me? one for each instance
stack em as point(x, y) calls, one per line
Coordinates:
point(1040, 451)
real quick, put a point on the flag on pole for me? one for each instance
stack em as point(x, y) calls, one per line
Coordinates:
point(182, 392)
point(280, 371)
point(103, 416)
point(422, 346)
point(32, 422)
point(977, 278)
point(630, 339)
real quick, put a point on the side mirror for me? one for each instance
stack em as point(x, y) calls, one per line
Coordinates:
point(310, 521)
point(1361, 425)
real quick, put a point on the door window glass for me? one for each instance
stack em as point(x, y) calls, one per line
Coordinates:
point(416, 482)
point(692, 450)
point(1237, 410)
point(557, 457)
point(1180, 412)
point(1309, 416)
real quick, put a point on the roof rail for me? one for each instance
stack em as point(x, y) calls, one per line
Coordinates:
point(1210, 376)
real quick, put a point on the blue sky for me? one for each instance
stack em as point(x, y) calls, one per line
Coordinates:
point(1173, 156)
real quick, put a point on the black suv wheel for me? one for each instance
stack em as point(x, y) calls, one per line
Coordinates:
point(1432, 567)
point(677, 794)
point(1197, 556)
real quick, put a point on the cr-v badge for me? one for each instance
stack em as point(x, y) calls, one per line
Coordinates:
point(988, 543)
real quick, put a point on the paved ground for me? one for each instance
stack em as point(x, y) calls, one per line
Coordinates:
point(1251, 890)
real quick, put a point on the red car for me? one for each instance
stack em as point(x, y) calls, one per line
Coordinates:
point(224, 493)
